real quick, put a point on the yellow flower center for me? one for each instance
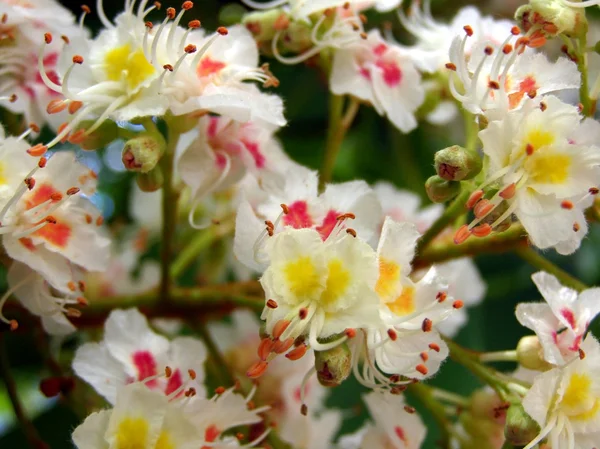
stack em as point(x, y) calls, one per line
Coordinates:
point(389, 275)
point(405, 303)
point(164, 441)
point(539, 138)
point(338, 280)
point(122, 63)
point(132, 433)
point(579, 402)
point(549, 169)
point(302, 277)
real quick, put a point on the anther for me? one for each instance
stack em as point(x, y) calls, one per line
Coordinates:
point(474, 198)
point(488, 50)
point(532, 93)
point(82, 301)
point(193, 24)
point(56, 106)
point(285, 209)
point(42, 162)
point(351, 231)
point(458, 304)
point(350, 333)
point(88, 219)
point(187, 5)
point(149, 25)
point(34, 127)
point(251, 405)
point(594, 190)
point(394, 378)
point(581, 354)
point(422, 369)
point(37, 150)
point(529, 149)
point(86, 9)
point(441, 296)
point(4, 18)
point(14, 325)
point(192, 374)
point(304, 409)
point(483, 230)
point(543, 106)
point(50, 219)
point(48, 38)
point(434, 347)
point(507, 49)
point(392, 334)
point(297, 353)
point(580, 107)
point(77, 59)
point(223, 31)
point(73, 191)
point(427, 325)
point(190, 48)
point(168, 67)
point(279, 347)
point(468, 30)
point(303, 313)
point(257, 370)
point(363, 18)
point(171, 13)
point(264, 348)
point(13, 98)
point(494, 85)
point(29, 182)
point(280, 328)
point(409, 409)
point(239, 436)
point(566, 204)
point(75, 106)
point(424, 356)
point(100, 220)
point(168, 371)
point(508, 192)
point(483, 208)
point(71, 286)
point(462, 234)
point(65, 39)
point(158, 5)
point(74, 313)
point(515, 31)
point(576, 227)
point(451, 66)
point(220, 390)
point(272, 304)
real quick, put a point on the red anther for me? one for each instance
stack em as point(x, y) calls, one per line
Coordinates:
point(581, 354)
point(279, 347)
point(82, 301)
point(508, 192)
point(194, 24)
point(100, 220)
point(483, 230)
point(42, 162)
point(34, 127)
point(529, 149)
point(458, 304)
point(73, 191)
point(594, 190)
point(13, 98)
point(350, 333)
point(223, 31)
point(297, 353)
point(409, 409)
point(220, 390)
point(394, 378)
point(303, 313)
point(37, 150)
point(285, 208)
point(483, 208)
point(86, 9)
point(30, 183)
point(468, 30)
point(50, 387)
point(239, 436)
point(507, 49)
point(56, 106)
point(494, 85)
point(65, 39)
point(351, 231)
point(149, 25)
point(434, 347)
point(168, 67)
point(192, 374)
point(71, 286)
point(187, 5)
point(543, 106)
point(515, 31)
point(88, 219)
point(77, 59)
point(272, 304)
point(532, 93)
point(77, 137)
point(14, 325)
point(191, 392)
point(566, 204)
point(279, 328)
point(171, 13)
point(257, 370)
point(488, 50)
point(441, 296)
point(270, 232)
point(158, 5)
point(264, 348)
point(304, 409)
point(82, 285)
point(462, 234)
point(422, 369)
point(190, 48)
point(475, 196)
point(576, 227)
point(424, 356)
point(451, 66)
point(75, 106)
point(48, 38)
point(580, 107)
point(392, 334)
point(427, 325)
point(168, 372)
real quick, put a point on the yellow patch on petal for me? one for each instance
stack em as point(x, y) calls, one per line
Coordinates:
point(580, 399)
point(405, 303)
point(549, 169)
point(539, 138)
point(302, 277)
point(123, 63)
point(338, 279)
point(164, 441)
point(389, 275)
point(132, 433)
point(2, 174)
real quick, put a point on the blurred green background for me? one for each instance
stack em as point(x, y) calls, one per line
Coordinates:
point(373, 151)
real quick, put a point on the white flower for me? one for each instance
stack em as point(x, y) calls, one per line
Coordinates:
point(301, 9)
point(540, 174)
point(561, 322)
point(30, 19)
point(140, 418)
point(382, 74)
point(566, 404)
point(393, 427)
point(581, 4)
point(131, 351)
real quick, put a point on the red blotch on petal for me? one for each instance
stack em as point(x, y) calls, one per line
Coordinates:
point(298, 216)
point(392, 75)
point(525, 86)
point(569, 316)
point(57, 234)
point(254, 150)
point(145, 365)
point(174, 382)
point(329, 222)
point(208, 66)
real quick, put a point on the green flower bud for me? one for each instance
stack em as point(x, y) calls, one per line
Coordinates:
point(439, 190)
point(101, 137)
point(333, 366)
point(151, 181)
point(530, 354)
point(142, 153)
point(520, 428)
point(183, 123)
point(551, 18)
point(455, 163)
point(264, 24)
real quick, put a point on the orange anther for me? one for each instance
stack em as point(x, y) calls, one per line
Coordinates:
point(73, 191)
point(77, 59)
point(223, 31)
point(56, 106)
point(462, 234)
point(37, 150)
point(566, 204)
point(434, 347)
point(474, 198)
point(297, 353)
point(422, 369)
point(42, 162)
point(48, 38)
point(424, 356)
point(468, 30)
point(483, 208)
point(168, 371)
point(451, 66)
point(190, 48)
point(194, 24)
point(458, 304)
point(441, 296)
point(279, 347)
point(280, 328)
point(220, 390)
point(264, 348)
point(392, 334)
point(75, 106)
point(257, 370)
point(272, 304)
point(171, 13)
point(187, 5)
point(350, 333)
point(483, 230)
point(427, 325)
point(509, 191)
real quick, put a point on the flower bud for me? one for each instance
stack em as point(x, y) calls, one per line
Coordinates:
point(263, 24)
point(142, 153)
point(520, 428)
point(101, 137)
point(551, 18)
point(439, 190)
point(151, 181)
point(334, 365)
point(455, 163)
point(530, 354)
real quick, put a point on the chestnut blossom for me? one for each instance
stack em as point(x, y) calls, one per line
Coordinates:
point(540, 173)
point(562, 321)
point(382, 74)
point(131, 351)
point(565, 402)
point(30, 19)
point(395, 425)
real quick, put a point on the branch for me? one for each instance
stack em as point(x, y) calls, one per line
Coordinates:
point(425, 396)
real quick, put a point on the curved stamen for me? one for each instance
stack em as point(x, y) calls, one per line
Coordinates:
point(102, 15)
point(42, 71)
point(264, 5)
point(295, 59)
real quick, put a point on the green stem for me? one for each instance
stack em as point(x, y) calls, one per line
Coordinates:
point(584, 92)
point(498, 356)
point(339, 124)
point(452, 212)
point(535, 259)
point(496, 243)
point(27, 426)
point(471, 130)
point(169, 213)
point(425, 395)
point(450, 397)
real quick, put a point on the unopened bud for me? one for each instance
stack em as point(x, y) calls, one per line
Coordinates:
point(439, 190)
point(520, 428)
point(99, 138)
point(455, 163)
point(530, 354)
point(263, 24)
point(334, 365)
point(551, 18)
point(151, 181)
point(142, 153)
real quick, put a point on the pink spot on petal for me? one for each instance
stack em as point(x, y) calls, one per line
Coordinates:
point(298, 216)
point(254, 150)
point(145, 365)
point(392, 75)
point(365, 73)
point(380, 49)
point(221, 161)
point(212, 127)
point(569, 316)
point(174, 382)
point(208, 66)
point(210, 435)
point(400, 433)
point(576, 343)
point(329, 222)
